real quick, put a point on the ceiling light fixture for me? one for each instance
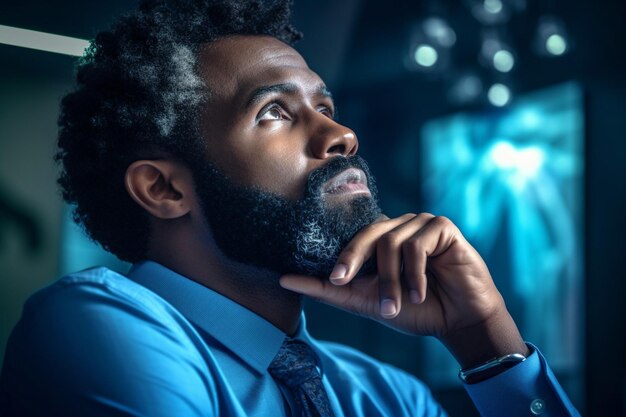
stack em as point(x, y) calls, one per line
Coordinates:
point(42, 41)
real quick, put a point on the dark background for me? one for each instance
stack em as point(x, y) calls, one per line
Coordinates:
point(359, 48)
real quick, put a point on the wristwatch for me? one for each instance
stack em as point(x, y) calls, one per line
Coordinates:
point(490, 368)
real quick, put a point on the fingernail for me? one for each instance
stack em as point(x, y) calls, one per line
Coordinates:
point(339, 271)
point(388, 308)
point(414, 296)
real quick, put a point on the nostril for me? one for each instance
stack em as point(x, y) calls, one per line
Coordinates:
point(340, 149)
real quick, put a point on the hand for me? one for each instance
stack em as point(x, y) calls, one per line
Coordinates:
point(430, 281)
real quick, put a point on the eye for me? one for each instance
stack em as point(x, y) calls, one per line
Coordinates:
point(326, 111)
point(272, 112)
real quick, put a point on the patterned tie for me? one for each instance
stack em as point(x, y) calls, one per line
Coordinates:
point(295, 367)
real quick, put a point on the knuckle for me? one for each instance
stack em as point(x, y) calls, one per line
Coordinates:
point(389, 241)
point(425, 215)
point(442, 221)
point(411, 245)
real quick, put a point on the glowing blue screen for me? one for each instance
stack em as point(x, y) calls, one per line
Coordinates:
point(512, 181)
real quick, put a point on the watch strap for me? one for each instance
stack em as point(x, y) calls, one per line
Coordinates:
point(490, 368)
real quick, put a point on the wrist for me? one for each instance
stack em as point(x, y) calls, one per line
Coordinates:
point(493, 338)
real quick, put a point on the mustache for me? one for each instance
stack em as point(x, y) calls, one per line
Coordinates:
point(318, 177)
point(313, 197)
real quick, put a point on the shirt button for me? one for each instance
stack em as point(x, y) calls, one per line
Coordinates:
point(537, 407)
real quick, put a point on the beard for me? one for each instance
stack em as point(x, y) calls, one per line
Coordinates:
point(263, 229)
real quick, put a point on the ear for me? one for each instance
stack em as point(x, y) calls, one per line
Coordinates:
point(163, 188)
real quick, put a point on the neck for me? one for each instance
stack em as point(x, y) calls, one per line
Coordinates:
point(255, 288)
point(258, 290)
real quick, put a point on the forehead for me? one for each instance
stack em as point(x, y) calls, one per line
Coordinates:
point(233, 65)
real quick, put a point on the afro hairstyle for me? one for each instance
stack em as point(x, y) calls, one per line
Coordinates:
point(138, 96)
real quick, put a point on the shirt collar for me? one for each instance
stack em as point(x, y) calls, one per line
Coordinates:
point(249, 336)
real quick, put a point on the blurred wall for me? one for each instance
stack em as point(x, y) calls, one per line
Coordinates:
point(30, 210)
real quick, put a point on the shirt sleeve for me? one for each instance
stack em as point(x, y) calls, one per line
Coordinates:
point(529, 388)
point(87, 350)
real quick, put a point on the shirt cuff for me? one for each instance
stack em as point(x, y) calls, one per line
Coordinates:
point(529, 388)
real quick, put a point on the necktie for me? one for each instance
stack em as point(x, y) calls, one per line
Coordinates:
point(295, 367)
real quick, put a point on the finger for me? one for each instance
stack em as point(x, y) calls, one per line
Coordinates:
point(361, 248)
point(431, 240)
point(381, 218)
point(388, 256)
point(322, 290)
point(414, 274)
point(309, 286)
point(389, 261)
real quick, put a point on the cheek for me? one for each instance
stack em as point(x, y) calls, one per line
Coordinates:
point(273, 161)
point(282, 170)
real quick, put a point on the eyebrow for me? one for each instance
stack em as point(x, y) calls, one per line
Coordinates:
point(260, 93)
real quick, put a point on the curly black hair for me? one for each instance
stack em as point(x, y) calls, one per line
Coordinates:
point(139, 96)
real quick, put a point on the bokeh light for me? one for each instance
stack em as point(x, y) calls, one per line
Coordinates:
point(493, 6)
point(503, 60)
point(439, 31)
point(426, 55)
point(499, 95)
point(556, 44)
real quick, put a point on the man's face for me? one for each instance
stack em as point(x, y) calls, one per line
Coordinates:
point(284, 189)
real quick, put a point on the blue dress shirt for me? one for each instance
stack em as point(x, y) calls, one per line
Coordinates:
point(96, 343)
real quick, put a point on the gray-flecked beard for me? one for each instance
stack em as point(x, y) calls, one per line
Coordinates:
point(263, 229)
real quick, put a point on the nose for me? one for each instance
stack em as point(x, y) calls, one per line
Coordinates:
point(329, 138)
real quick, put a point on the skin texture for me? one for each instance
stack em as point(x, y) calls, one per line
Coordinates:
point(275, 154)
point(430, 280)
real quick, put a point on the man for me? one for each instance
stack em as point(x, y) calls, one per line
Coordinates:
point(201, 147)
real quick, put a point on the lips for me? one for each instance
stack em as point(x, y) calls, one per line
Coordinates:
point(350, 181)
